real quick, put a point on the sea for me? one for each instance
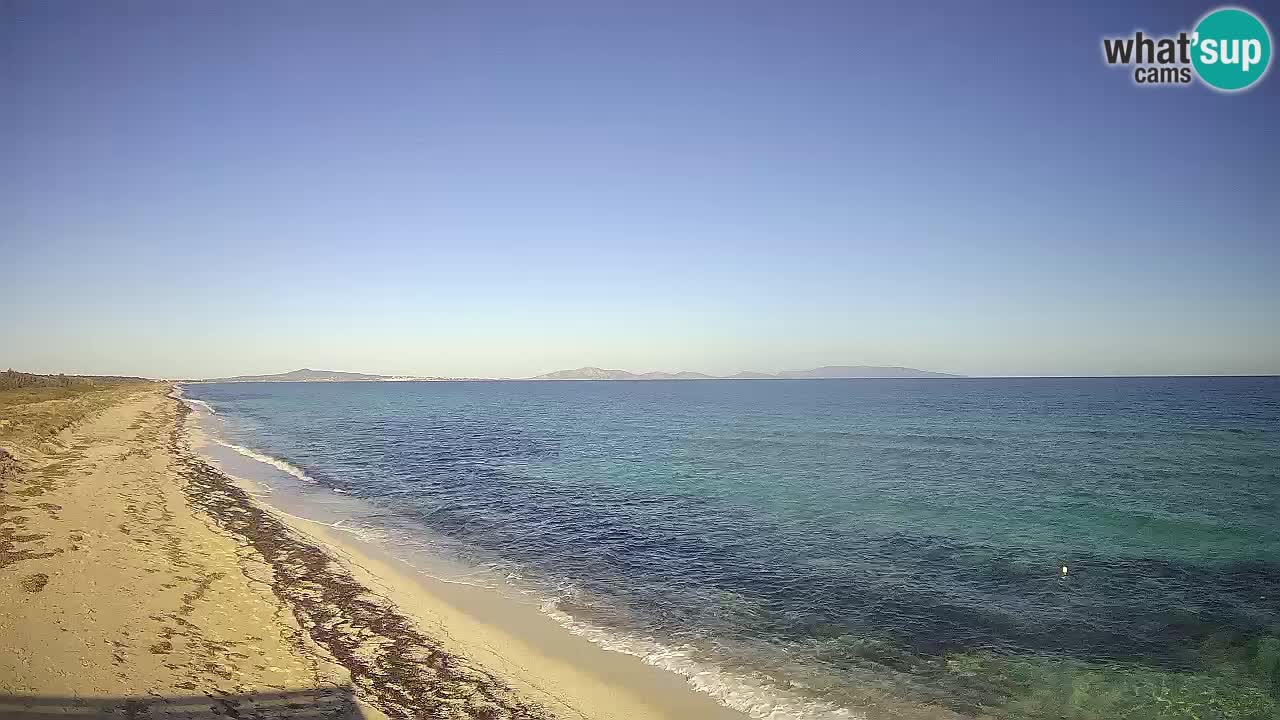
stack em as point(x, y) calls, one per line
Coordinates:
point(868, 548)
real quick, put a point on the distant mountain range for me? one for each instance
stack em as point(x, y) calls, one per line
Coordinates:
point(309, 375)
point(827, 371)
point(595, 373)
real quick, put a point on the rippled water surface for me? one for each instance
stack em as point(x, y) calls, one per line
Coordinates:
point(883, 548)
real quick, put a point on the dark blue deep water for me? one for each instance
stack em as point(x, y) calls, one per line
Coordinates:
point(881, 546)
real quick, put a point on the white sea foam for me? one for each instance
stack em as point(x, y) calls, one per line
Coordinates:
point(755, 697)
point(202, 404)
point(178, 394)
point(277, 463)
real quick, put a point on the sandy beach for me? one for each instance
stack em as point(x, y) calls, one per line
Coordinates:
point(136, 578)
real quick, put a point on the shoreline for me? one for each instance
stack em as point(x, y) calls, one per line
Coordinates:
point(537, 648)
point(117, 597)
point(400, 669)
point(505, 642)
point(138, 579)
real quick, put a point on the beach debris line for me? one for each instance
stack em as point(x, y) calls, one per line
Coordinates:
point(394, 665)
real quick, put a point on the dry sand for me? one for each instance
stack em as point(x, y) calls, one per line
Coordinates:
point(136, 579)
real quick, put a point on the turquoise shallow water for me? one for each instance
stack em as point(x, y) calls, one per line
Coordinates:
point(865, 545)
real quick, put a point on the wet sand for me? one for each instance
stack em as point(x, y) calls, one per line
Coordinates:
point(137, 578)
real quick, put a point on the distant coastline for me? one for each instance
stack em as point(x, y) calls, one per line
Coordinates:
point(309, 375)
point(824, 372)
point(596, 373)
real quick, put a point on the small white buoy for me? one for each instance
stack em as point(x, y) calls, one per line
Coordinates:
point(1064, 570)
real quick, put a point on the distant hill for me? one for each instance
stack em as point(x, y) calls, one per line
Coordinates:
point(861, 371)
point(686, 375)
point(595, 373)
point(589, 373)
point(309, 375)
point(829, 371)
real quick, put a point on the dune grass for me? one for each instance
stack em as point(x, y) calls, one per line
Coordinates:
point(32, 415)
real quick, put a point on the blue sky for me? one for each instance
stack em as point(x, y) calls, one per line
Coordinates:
point(502, 189)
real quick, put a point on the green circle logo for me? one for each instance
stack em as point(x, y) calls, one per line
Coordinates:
point(1231, 49)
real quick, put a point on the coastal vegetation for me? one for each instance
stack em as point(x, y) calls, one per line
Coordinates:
point(13, 380)
point(35, 408)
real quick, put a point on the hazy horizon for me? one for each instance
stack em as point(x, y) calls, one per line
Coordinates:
point(503, 191)
point(941, 374)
